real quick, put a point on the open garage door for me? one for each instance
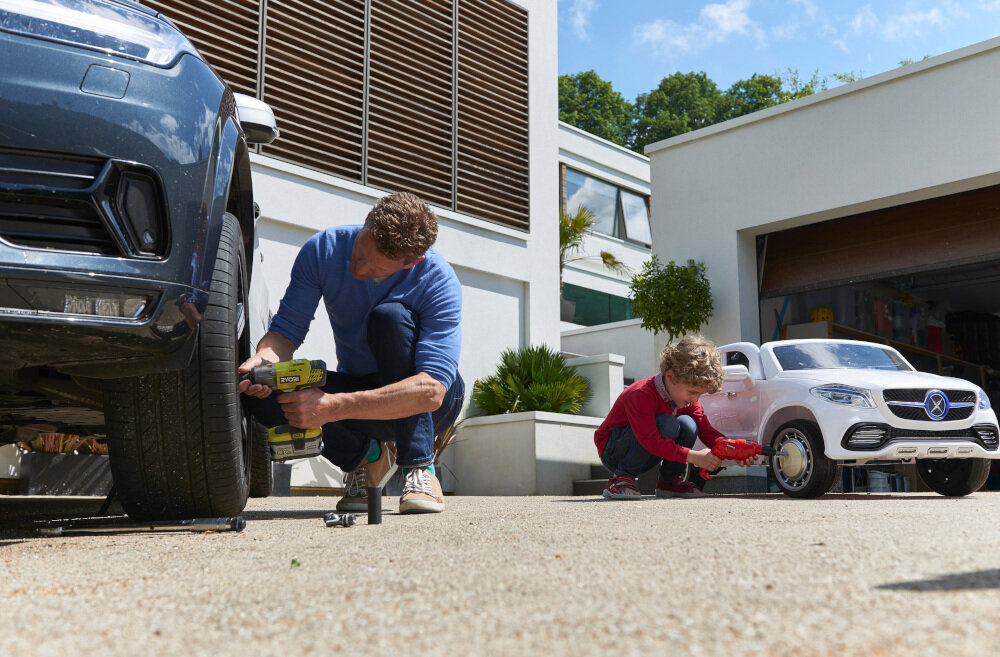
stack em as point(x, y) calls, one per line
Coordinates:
point(945, 232)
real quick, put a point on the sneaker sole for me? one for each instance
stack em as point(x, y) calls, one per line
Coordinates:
point(683, 496)
point(421, 507)
point(619, 496)
point(343, 505)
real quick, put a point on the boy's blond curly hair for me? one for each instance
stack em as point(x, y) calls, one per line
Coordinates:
point(402, 226)
point(694, 361)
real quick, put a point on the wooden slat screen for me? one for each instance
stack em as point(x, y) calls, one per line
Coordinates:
point(410, 98)
point(445, 117)
point(314, 58)
point(226, 32)
point(493, 111)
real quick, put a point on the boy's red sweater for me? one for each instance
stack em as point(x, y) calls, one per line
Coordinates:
point(638, 406)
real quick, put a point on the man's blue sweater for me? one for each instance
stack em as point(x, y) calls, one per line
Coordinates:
point(429, 288)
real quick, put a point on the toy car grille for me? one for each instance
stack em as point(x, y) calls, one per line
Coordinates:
point(918, 413)
point(874, 436)
point(45, 204)
point(911, 404)
point(919, 394)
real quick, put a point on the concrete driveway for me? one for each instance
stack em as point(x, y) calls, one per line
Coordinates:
point(872, 575)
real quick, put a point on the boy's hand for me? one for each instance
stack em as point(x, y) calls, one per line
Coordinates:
point(704, 458)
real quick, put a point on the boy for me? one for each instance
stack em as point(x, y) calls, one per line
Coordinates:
point(655, 421)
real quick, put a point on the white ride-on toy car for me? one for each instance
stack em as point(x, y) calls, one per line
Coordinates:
point(828, 403)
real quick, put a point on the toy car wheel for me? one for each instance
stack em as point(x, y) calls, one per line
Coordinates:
point(179, 442)
point(804, 471)
point(953, 477)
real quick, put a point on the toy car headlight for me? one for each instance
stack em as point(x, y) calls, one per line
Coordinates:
point(844, 395)
point(984, 401)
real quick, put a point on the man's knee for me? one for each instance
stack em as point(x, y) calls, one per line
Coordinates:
point(390, 320)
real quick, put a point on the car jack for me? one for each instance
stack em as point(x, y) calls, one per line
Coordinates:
point(103, 524)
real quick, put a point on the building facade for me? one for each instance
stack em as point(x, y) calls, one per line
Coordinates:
point(871, 211)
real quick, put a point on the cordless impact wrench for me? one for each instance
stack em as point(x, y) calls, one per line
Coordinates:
point(287, 442)
point(737, 450)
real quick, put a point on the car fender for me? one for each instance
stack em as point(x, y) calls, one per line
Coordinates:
point(777, 415)
point(230, 166)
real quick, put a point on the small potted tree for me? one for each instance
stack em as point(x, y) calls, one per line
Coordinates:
point(573, 230)
point(672, 299)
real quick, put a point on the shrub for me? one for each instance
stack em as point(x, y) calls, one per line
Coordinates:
point(531, 379)
point(671, 298)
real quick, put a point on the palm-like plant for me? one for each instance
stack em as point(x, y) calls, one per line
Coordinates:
point(531, 379)
point(573, 229)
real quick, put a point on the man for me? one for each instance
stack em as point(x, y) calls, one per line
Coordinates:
point(394, 305)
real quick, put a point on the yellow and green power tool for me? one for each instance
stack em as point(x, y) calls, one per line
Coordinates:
point(287, 442)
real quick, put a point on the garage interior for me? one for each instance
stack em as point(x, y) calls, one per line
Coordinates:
point(923, 277)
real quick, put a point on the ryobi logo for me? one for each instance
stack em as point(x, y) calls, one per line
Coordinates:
point(290, 379)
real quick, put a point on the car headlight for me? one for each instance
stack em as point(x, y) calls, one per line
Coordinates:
point(844, 395)
point(984, 401)
point(105, 26)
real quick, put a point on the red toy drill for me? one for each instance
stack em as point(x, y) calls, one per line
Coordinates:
point(737, 450)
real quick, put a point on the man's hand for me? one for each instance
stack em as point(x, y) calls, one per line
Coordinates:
point(254, 389)
point(310, 408)
point(704, 458)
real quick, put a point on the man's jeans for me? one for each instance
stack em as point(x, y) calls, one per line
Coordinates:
point(392, 337)
point(623, 455)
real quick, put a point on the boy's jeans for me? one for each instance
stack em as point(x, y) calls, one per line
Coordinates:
point(623, 455)
point(392, 337)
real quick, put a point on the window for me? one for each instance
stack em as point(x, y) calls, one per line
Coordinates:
point(593, 307)
point(617, 212)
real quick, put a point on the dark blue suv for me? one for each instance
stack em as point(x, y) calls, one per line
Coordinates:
point(126, 238)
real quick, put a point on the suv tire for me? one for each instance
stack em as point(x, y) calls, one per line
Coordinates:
point(179, 442)
point(261, 475)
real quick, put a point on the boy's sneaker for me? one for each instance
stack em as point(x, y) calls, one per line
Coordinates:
point(357, 481)
point(677, 488)
point(421, 493)
point(621, 487)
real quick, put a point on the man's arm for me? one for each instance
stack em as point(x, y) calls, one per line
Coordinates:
point(420, 393)
point(272, 348)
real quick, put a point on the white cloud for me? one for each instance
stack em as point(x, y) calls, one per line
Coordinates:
point(811, 8)
point(717, 22)
point(989, 5)
point(579, 17)
point(843, 46)
point(911, 24)
point(864, 20)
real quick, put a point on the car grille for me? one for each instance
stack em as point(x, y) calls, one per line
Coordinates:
point(913, 404)
point(45, 203)
point(874, 436)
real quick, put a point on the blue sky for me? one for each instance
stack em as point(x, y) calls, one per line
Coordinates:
point(635, 43)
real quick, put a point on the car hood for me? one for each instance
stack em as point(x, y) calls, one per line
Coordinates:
point(876, 379)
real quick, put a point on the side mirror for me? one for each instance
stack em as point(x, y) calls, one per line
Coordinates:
point(738, 374)
point(257, 119)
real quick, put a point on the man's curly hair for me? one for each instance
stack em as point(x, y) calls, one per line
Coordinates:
point(402, 226)
point(694, 361)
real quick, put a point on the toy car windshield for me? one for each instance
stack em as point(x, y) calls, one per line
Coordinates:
point(826, 355)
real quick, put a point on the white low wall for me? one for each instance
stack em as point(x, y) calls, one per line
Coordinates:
point(531, 453)
point(628, 338)
point(605, 374)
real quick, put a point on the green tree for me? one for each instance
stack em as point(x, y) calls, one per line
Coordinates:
point(682, 102)
point(590, 103)
point(757, 93)
point(675, 299)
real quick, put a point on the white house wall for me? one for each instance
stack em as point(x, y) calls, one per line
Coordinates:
point(917, 132)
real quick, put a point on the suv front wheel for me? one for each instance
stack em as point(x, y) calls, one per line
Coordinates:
point(179, 442)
